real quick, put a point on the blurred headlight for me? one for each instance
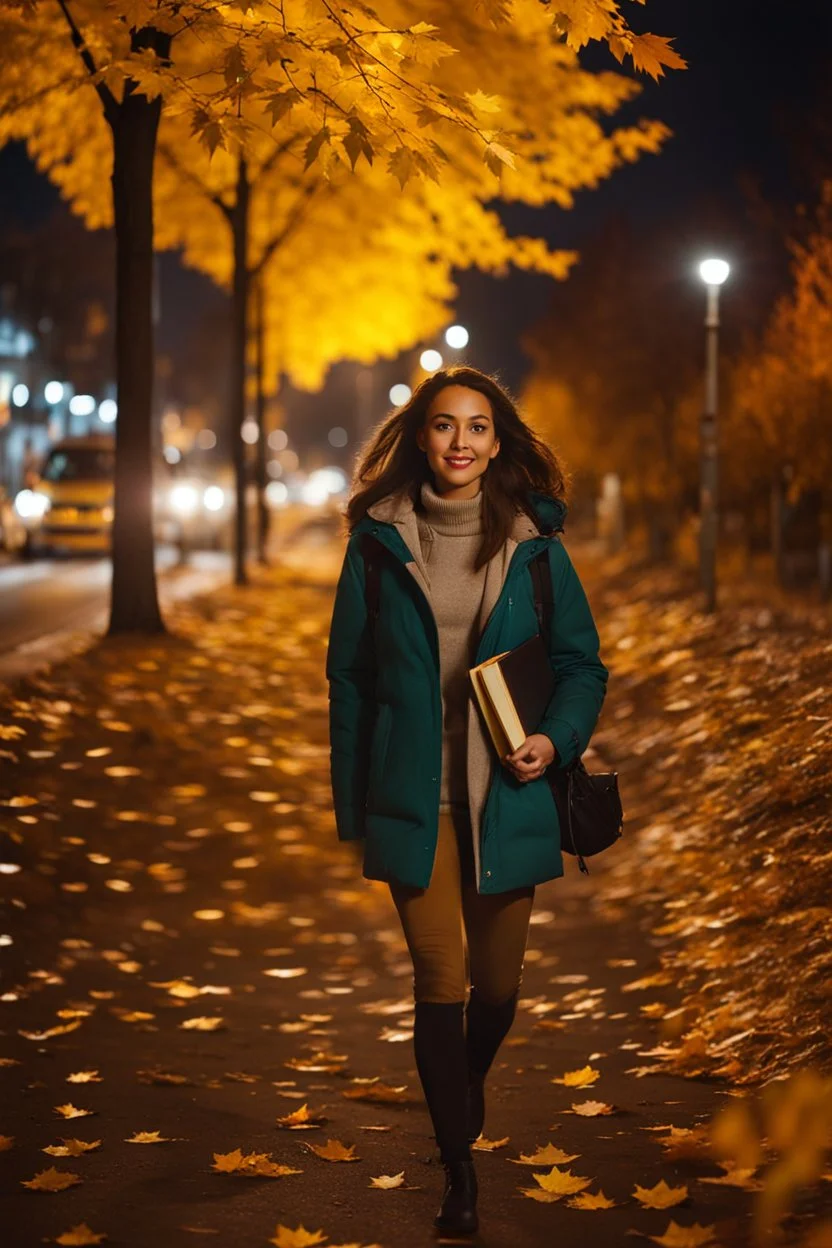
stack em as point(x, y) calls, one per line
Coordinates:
point(214, 498)
point(184, 499)
point(31, 504)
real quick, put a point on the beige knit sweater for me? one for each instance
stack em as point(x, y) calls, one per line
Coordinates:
point(450, 534)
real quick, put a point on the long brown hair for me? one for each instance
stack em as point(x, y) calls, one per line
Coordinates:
point(392, 462)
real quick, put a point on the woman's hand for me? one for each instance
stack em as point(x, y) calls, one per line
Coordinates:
point(531, 759)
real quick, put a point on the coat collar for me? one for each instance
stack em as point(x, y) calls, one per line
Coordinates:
point(398, 509)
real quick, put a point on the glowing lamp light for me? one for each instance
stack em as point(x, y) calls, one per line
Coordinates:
point(714, 271)
point(399, 394)
point(206, 439)
point(278, 439)
point(172, 454)
point(249, 431)
point(31, 504)
point(20, 394)
point(430, 360)
point(456, 336)
point(107, 411)
point(337, 436)
point(214, 498)
point(277, 494)
point(53, 391)
point(82, 405)
point(184, 499)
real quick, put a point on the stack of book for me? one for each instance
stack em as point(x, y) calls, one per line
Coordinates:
point(513, 690)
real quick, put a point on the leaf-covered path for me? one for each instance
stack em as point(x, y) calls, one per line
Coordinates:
point(190, 954)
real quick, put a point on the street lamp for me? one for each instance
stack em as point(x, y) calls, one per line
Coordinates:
point(456, 336)
point(713, 273)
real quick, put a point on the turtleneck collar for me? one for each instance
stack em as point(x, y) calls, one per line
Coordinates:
point(457, 517)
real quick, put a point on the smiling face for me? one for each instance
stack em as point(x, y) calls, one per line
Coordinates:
point(459, 439)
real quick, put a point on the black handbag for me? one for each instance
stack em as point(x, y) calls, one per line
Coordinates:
point(588, 803)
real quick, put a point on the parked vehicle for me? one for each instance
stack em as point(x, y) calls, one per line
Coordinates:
point(70, 505)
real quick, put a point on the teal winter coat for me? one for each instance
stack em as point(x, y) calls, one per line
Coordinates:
point(385, 711)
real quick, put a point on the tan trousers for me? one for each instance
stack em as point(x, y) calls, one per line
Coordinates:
point(438, 919)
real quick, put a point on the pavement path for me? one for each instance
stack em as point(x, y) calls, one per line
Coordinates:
point(202, 879)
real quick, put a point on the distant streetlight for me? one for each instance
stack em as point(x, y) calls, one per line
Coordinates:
point(456, 336)
point(82, 405)
point(399, 394)
point(430, 360)
point(20, 394)
point(107, 411)
point(713, 273)
point(53, 392)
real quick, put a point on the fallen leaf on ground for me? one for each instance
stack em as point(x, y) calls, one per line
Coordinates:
point(578, 1078)
point(302, 1119)
point(162, 1076)
point(202, 1023)
point(84, 1076)
point(334, 1150)
point(258, 1165)
point(550, 1155)
point(738, 1177)
point(52, 1180)
point(147, 1137)
point(562, 1182)
point(6, 1141)
point(661, 1196)
point(484, 1145)
point(381, 1093)
point(285, 1237)
point(591, 1109)
point(70, 1111)
point(685, 1236)
point(388, 1181)
point(78, 1236)
point(590, 1200)
point(72, 1148)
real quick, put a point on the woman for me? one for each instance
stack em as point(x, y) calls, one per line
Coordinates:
point(460, 495)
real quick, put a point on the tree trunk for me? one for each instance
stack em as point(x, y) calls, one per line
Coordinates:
point(262, 506)
point(239, 337)
point(134, 603)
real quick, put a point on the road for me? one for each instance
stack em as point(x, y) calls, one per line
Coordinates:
point(49, 606)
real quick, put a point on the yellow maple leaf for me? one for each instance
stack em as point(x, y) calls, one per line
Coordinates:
point(489, 1146)
point(661, 1196)
point(202, 1023)
point(591, 1109)
point(651, 52)
point(590, 1200)
point(72, 1148)
point(334, 1150)
point(302, 1119)
point(388, 1181)
point(562, 1182)
point(484, 103)
point(84, 1076)
point(285, 1237)
point(146, 1137)
point(537, 1193)
point(78, 1236)
point(227, 1163)
point(551, 1155)
point(70, 1111)
point(52, 1180)
point(685, 1236)
point(578, 1078)
point(382, 1093)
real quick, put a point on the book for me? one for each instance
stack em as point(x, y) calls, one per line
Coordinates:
point(513, 690)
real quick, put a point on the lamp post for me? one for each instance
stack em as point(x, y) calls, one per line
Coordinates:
point(713, 273)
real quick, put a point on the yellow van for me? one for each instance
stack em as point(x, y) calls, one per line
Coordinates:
point(70, 506)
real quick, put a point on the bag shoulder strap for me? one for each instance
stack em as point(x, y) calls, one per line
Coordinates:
point(544, 603)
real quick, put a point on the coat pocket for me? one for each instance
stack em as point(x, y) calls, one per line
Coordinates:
point(378, 750)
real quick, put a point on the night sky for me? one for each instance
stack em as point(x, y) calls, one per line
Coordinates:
point(746, 105)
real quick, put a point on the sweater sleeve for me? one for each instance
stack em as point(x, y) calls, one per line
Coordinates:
point(350, 670)
point(573, 710)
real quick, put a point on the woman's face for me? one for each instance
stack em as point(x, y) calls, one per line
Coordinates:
point(459, 439)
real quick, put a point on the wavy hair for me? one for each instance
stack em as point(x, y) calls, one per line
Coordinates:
point(391, 462)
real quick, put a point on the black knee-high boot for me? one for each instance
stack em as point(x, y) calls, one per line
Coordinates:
point(439, 1048)
point(487, 1027)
